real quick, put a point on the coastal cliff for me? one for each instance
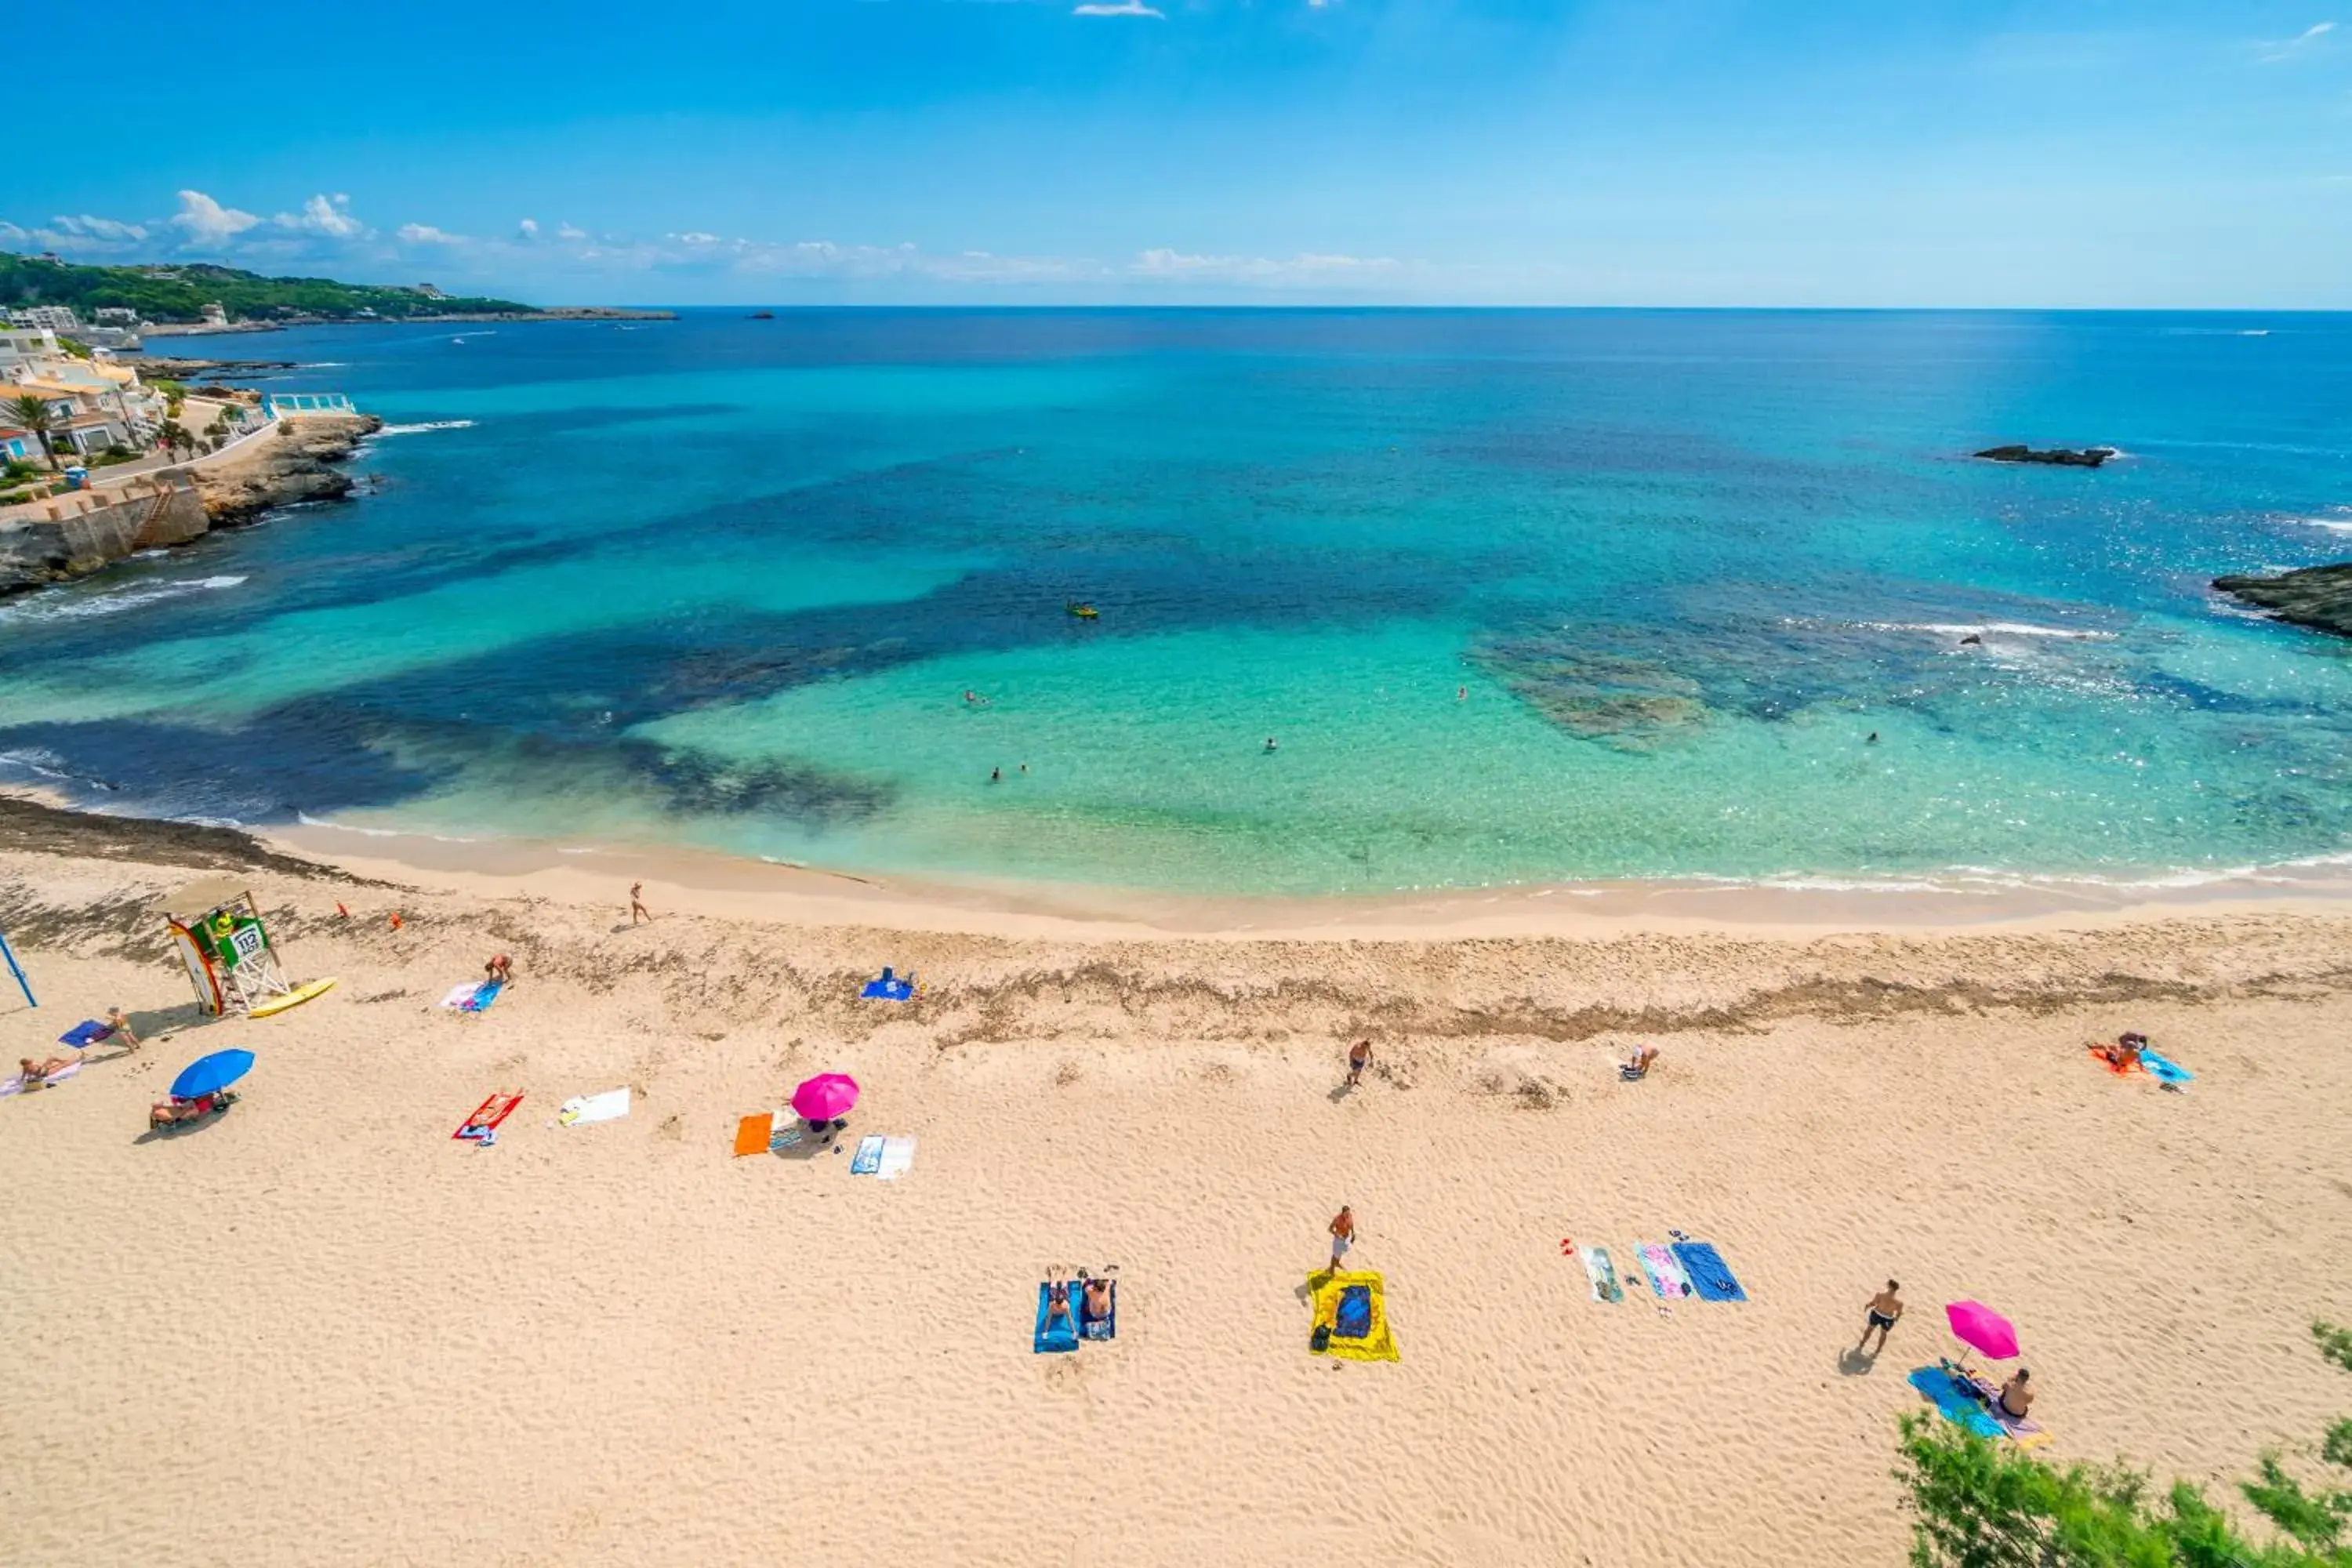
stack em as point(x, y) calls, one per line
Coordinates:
point(2319, 598)
point(81, 532)
point(297, 464)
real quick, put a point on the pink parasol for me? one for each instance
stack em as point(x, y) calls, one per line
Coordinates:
point(826, 1097)
point(1982, 1329)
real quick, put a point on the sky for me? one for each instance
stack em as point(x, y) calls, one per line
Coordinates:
point(2100, 153)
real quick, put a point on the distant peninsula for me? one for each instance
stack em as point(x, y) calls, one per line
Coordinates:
point(198, 297)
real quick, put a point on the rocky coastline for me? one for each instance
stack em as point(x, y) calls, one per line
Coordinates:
point(2056, 457)
point(2319, 598)
point(444, 318)
point(83, 533)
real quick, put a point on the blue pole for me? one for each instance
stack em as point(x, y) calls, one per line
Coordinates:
point(17, 969)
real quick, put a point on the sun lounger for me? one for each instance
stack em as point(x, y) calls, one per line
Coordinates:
point(1064, 1333)
point(489, 1114)
point(1707, 1273)
point(1351, 1319)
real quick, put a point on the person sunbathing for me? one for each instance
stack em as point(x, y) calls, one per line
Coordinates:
point(2015, 1398)
point(36, 1077)
point(1638, 1067)
point(2124, 1054)
point(1057, 1304)
point(1097, 1298)
point(173, 1111)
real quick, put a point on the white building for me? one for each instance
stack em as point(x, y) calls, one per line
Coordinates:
point(54, 318)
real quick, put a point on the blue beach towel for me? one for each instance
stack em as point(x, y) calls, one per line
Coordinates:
point(1063, 1335)
point(2163, 1070)
point(85, 1034)
point(889, 988)
point(1956, 1405)
point(1093, 1327)
point(484, 994)
point(868, 1159)
point(1708, 1275)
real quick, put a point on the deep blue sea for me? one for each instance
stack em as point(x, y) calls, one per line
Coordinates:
point(1523, 596)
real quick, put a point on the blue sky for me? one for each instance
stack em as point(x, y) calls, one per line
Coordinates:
point(2068, 153)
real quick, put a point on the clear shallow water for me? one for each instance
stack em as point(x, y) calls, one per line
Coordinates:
point(1525, 596)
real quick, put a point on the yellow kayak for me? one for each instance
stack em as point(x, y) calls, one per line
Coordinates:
point(293, 998)
point(1084, 612)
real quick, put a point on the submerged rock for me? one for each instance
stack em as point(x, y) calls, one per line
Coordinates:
point(2062, 457)
point(2316, 596)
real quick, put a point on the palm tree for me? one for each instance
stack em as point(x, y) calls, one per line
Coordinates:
point(33, 415)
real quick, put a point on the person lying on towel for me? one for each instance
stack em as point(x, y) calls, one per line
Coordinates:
point(36, 1075)
point(2124, 1054)
point(1057, 1307)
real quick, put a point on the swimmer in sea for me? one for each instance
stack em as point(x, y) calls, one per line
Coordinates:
point(1269, 742)
point(996, 776)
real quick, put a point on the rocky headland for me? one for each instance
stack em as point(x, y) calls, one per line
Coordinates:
point(2317, 596)
point(2058, 457)
point(299, 463)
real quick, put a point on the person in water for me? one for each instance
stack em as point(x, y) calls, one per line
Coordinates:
point(1884, 1310)
point(1269, 742)
point(996, 776)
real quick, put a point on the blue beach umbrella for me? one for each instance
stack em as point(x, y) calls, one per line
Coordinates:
point(210, 1075)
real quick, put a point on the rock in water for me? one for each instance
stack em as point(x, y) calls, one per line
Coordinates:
point(2316, 596)
point(2062, 457)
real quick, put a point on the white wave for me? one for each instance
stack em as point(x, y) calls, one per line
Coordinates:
point(208, 821)
point(325, 364)
point(1986, 628)
point(33, 760)
point(2335, 520)
point(307, 820)
point(421, 426)
point(68, 603)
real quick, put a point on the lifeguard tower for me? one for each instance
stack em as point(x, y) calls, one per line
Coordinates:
point(231, 961)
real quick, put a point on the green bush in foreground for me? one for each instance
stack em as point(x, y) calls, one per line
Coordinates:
point(1980, 1504)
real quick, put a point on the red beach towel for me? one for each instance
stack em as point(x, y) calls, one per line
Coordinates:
point(491, 1112)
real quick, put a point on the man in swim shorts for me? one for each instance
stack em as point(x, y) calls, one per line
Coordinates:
point(1884, 1309)
point(1359, 1057)
point(1343, 1235)
point(2016, 1398)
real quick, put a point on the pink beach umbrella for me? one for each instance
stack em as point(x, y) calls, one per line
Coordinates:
point(1982, 1329)
point(826, 1097)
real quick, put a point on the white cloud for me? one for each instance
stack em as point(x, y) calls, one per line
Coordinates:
point(1308, 268)
point(528, 228)
point(2287, 48)
point(695, 236)
point(1124, 8)
point(566, 231)
point(425, 234)
point(205, 222)
point(325, 215)
point(101, 228)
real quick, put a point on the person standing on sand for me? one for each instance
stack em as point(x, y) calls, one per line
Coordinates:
point(1359, 1057)
point(1885, 1309)
point(118, 1027)
point(1343, 1235)
point(638, 909)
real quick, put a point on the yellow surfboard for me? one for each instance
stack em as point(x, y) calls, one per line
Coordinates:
point(293, 998)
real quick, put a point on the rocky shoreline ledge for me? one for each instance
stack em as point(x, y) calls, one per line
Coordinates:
point(77, 534)
point(2319, 598)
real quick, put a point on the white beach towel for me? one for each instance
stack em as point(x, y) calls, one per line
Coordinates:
point(609, 1106)
point(461, 996)
point(897, 1154)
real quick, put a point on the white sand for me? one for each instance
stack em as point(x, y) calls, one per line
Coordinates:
point(317, 1331)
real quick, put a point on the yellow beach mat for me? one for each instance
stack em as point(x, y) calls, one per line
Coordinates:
point(1375, 1343)
point(293, 998)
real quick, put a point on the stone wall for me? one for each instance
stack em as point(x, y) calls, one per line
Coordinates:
point(75, 534)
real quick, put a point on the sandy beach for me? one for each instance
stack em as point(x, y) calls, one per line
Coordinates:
point(318, 1331)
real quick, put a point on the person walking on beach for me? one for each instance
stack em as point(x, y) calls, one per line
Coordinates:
point(1359, 1057)
point(1343, 1235)
point(638, 911)
point(1885, 1307)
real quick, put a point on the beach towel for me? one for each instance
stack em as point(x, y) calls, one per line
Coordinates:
point(1707, 1273)
point(1091, 1327)
point(889, 988)
point(756, 1134)
point(1667, 1279)
point(14, 1082)
point(2163, 1070)
point(491, 1112)
point(898, 1155)
point(583, 1108)
point(868, 1158)
point(86, 1033)
point(1064, 1334)
point(1953, 1401)
point(473, 999)
point(1351, 1305)
point(2099, 1055)
point(1601, 1272)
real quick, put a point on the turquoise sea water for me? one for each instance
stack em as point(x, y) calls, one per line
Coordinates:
point(1524, 596)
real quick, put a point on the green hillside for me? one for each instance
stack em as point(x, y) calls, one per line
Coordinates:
point(180, 294)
